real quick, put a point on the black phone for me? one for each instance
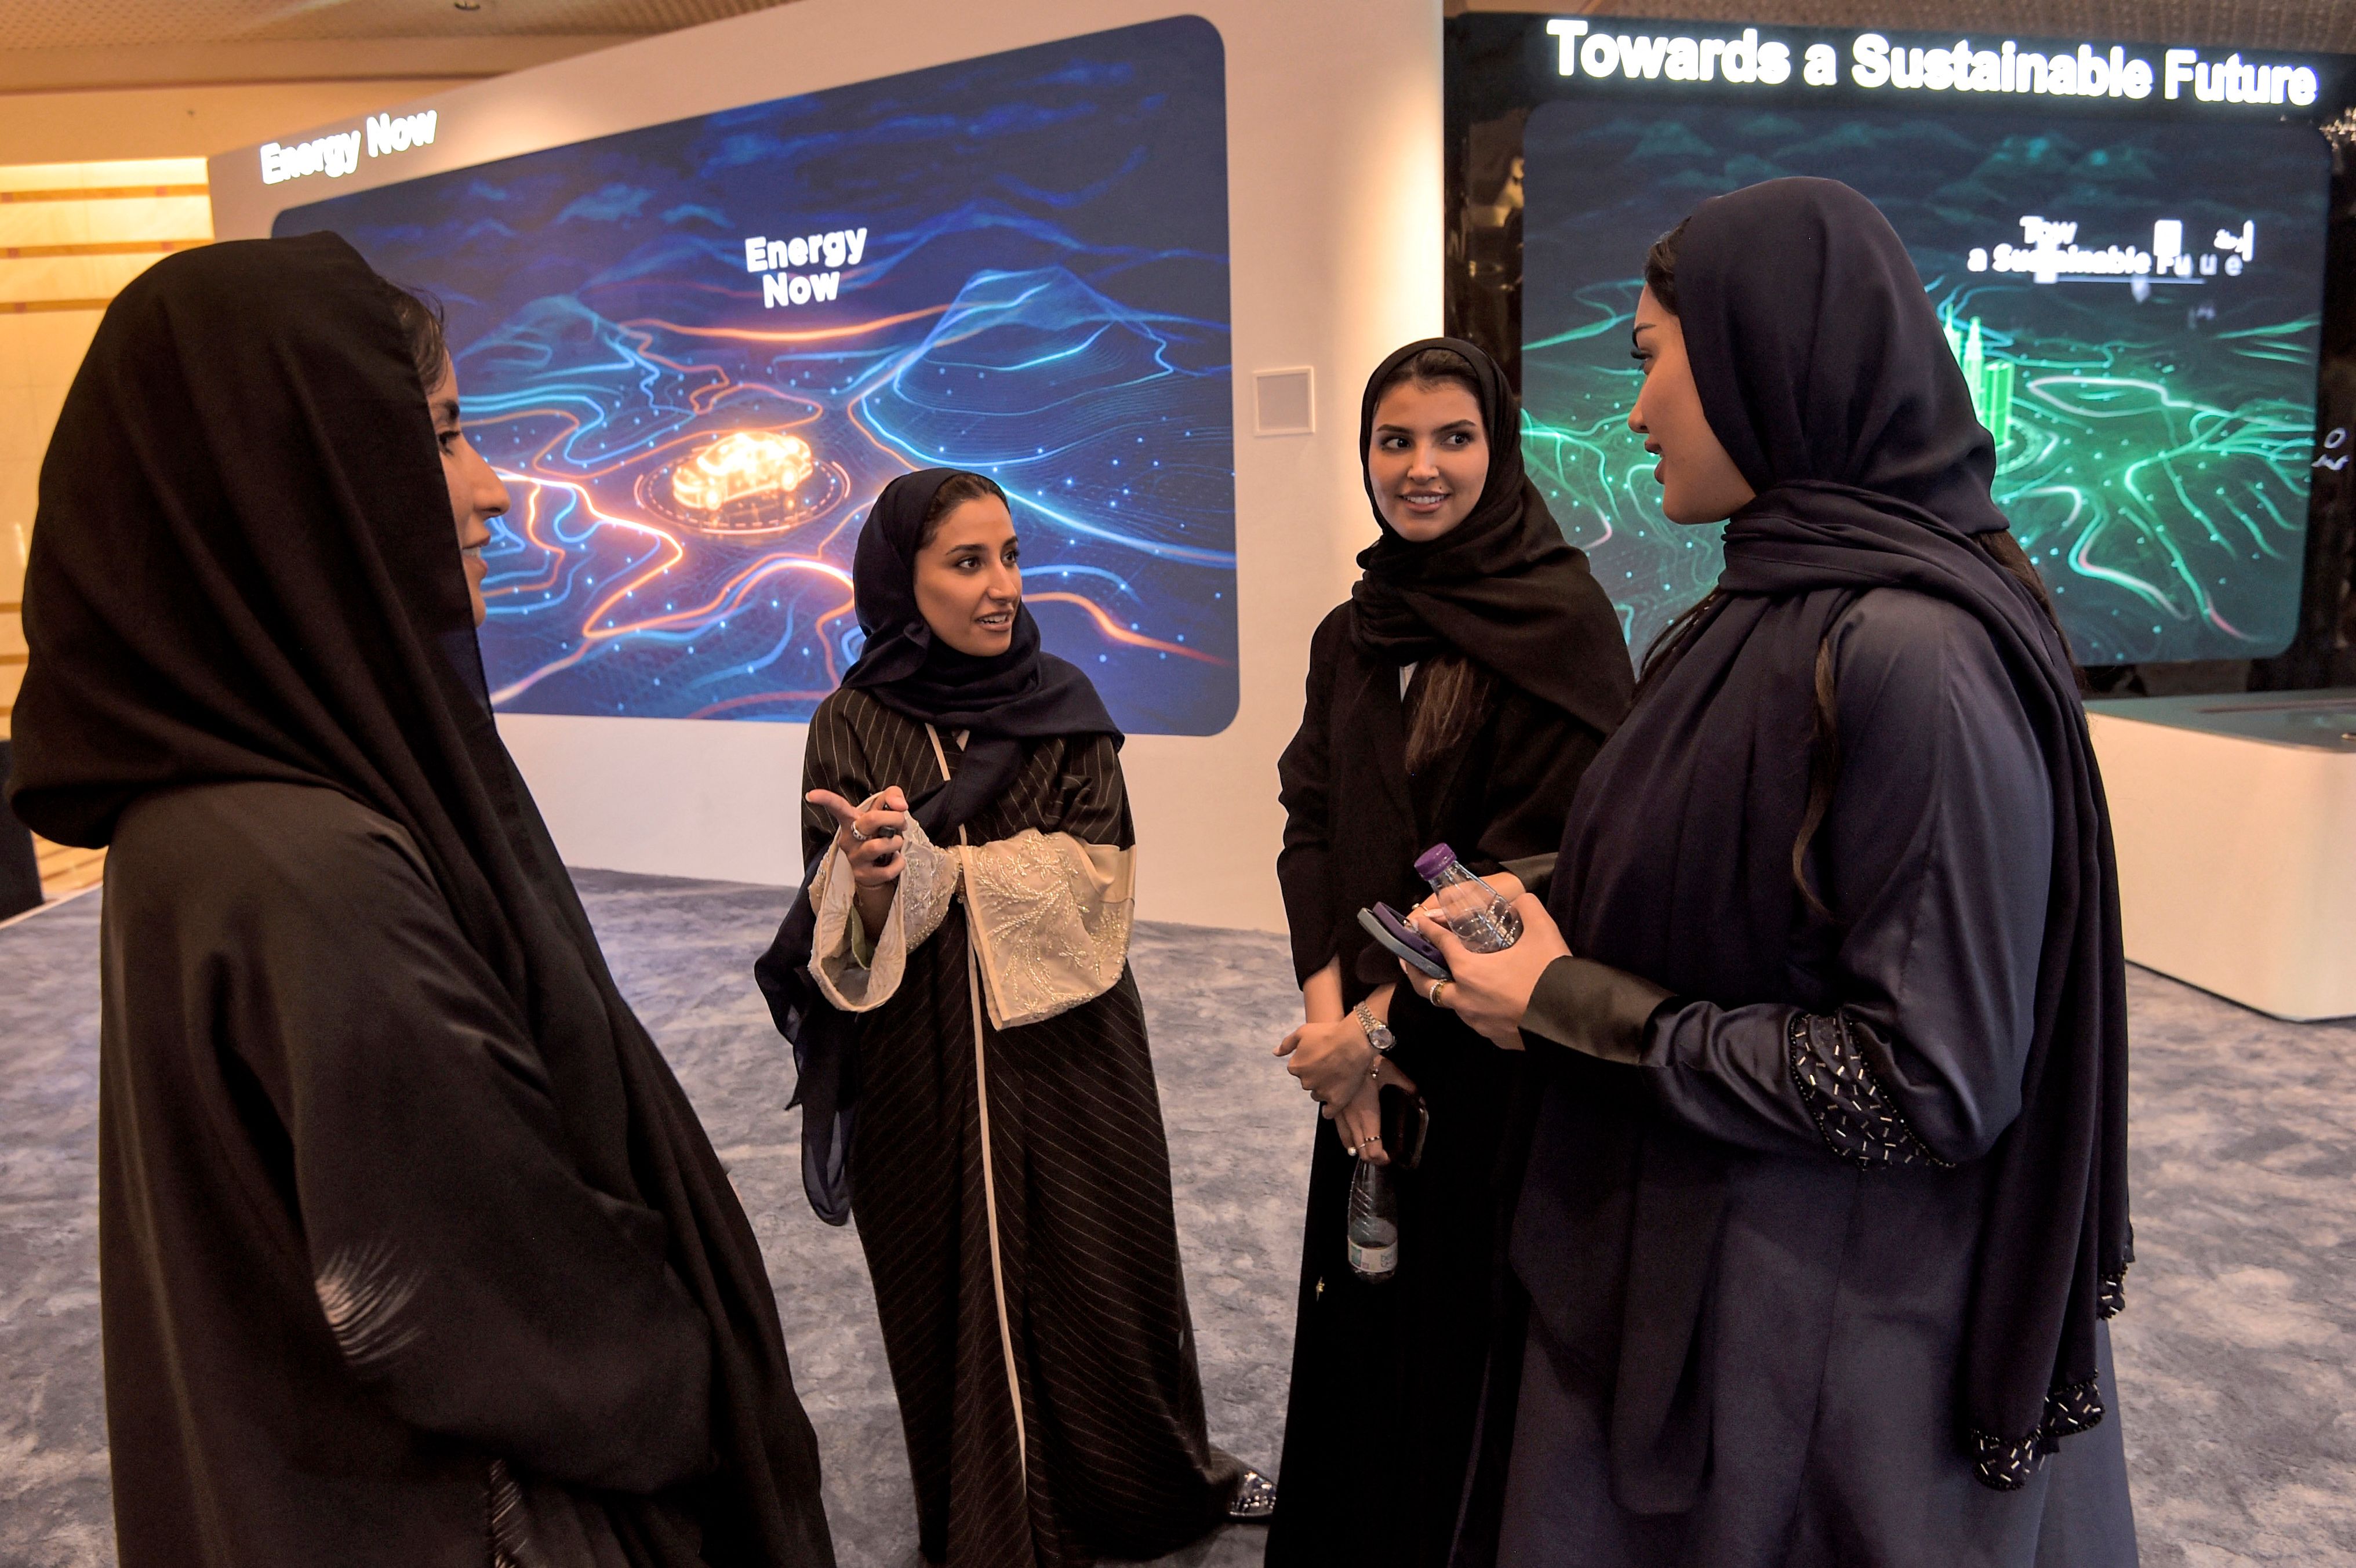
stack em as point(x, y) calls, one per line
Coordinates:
point(1406, 1121)
point(1383, 923)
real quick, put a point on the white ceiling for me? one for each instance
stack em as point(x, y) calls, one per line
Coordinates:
point(88, 24)
point(2319, 25)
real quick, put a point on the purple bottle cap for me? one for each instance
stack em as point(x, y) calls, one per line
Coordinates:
point(1433, 861)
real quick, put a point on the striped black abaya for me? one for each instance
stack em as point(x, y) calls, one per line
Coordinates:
point(1015, 1211)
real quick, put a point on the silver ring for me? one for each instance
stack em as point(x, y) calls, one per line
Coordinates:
point(857, 837)
point(1373, 1138)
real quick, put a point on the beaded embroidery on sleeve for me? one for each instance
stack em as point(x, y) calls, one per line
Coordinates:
point(1852, 1111)
point(2006, 1466)
point(1859, 1124)
point(2078, 1407)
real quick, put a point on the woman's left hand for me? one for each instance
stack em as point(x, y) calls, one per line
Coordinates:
point(1490, 991)
point(1358, 1122)
point(1331, 1059)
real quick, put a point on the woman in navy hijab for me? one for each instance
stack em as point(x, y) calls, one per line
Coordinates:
point(1826, 1202)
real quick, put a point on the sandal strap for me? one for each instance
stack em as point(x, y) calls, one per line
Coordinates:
point(1254, 1497)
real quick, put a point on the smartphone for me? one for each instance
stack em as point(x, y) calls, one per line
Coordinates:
point(1384, 924)
point(1406, 1122)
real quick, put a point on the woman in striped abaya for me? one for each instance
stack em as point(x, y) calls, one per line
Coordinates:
point(956, 982)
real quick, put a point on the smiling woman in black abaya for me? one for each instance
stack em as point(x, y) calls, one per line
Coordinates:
point(1826, 1204)
point(1456, 695)
point(412, 1249)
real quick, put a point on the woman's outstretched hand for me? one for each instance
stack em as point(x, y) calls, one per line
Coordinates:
point(870, 839)
point(1490, 991)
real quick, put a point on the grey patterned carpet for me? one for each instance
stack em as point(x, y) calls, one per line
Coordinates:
point(2235, 1355)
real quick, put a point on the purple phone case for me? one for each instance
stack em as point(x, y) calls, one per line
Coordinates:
point(1383, 922)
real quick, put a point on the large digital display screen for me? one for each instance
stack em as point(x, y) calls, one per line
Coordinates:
point(2137, 305)
point(696, 352)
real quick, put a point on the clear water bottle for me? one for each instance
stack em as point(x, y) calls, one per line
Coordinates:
point(1374, 1223)
point(1481, 920)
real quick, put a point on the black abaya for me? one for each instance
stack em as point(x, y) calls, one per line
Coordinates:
point(1387, 1378)
point(348, 1267)
point(412, 1249)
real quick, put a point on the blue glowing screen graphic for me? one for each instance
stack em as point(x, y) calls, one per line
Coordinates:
point(696, 352)
point(2137, 305)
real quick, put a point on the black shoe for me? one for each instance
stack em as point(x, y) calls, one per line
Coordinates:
point(1255, 1498)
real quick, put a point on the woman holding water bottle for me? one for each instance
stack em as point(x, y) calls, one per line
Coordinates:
point(1825, 1206)
point(1454, 699)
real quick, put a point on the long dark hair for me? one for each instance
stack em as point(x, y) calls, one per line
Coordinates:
point(1824, 746)
point(1451, 694)
point(422, 330)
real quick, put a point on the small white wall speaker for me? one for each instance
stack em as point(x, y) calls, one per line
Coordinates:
point(1284, 401)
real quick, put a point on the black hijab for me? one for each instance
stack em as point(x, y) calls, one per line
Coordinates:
point(245, 568)
point(1002, 700)
point(1824, 372)
point(1502, 588)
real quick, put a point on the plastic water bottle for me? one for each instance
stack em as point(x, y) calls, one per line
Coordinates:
point(1481, 920)
point(1374, 1223)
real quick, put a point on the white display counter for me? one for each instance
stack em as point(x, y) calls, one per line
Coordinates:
point(2236, 820)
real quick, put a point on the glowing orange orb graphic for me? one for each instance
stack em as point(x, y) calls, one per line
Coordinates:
point(746, 463)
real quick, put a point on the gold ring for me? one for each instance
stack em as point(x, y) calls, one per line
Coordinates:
point(1437, 987)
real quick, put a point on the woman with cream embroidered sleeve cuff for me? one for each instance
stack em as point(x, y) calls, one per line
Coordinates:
point(956, 975)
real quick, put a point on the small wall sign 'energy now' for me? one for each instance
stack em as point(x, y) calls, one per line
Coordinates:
point(337, 153)
point(1599, 50)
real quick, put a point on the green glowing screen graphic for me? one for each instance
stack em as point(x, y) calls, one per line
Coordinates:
point(2153, 428)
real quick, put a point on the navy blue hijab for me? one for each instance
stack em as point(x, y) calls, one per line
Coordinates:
point(1824, 372)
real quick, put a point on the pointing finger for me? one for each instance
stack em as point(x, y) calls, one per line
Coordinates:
point(834, 805)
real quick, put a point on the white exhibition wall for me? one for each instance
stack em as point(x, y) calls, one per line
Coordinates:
point(1335, 192)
